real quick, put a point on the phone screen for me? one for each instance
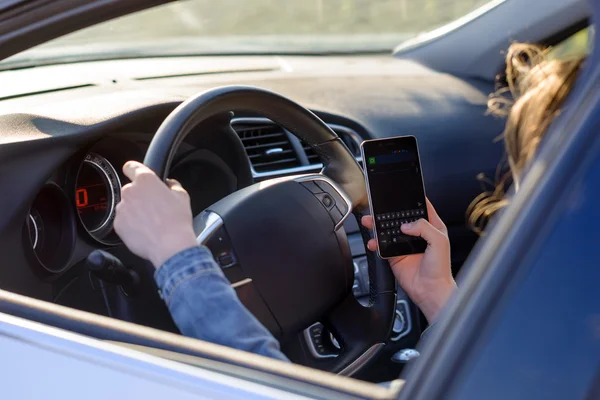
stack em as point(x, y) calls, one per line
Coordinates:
point(396, 193)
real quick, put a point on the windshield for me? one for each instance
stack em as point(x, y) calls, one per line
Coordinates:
point(253, 27)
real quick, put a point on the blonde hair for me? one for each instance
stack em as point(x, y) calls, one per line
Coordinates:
point(535, 91)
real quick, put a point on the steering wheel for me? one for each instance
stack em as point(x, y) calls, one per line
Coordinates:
point(281, 242)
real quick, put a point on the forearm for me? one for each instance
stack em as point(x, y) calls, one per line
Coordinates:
point(204, 306)
point(436, 300)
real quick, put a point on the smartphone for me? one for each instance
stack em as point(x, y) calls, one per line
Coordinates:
point(396, 192)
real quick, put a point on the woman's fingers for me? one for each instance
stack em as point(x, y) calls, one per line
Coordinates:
point(372, 245)
point(136, 170)
point(434, 219)
point(367, 221)
point(433, 231)
point(424, 229)
point(174, 184)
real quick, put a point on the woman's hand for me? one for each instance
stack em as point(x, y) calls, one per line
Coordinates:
point(153, 220)
point(426, 278)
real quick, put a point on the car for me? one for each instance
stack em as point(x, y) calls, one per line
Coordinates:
point(249, 104)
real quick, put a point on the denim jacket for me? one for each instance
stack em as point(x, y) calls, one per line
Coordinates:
point(205, 306)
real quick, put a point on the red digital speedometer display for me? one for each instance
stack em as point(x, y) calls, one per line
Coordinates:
point(97, 192)
point(92, 196)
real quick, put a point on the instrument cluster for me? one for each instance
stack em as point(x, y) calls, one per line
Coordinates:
point(79, 202)
point(74, 211)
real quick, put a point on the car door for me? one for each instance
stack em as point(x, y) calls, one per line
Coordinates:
point(526, 323)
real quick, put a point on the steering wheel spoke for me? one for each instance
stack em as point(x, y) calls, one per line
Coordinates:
point(211, 233)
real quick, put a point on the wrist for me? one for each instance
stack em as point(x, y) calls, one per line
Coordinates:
point(437, 300)
point(169, 247)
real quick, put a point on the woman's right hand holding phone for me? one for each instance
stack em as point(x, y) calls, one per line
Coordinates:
point(426, 278)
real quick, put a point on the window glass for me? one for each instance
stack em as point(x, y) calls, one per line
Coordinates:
point(576, 45)
point(197, 27)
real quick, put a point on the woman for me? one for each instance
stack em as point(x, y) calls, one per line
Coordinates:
point(199, 297)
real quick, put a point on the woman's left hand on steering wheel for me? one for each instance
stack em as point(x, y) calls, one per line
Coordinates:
point(426, 278)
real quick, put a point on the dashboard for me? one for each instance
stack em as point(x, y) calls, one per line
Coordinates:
point(62, 151)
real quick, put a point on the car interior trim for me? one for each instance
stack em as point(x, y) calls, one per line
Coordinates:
point(408, 320)
point(211, 223)
point(35, 230)
point(113, 189)
point(344, 196)
point(360, 362)
point(241, 283)
point(311, 345)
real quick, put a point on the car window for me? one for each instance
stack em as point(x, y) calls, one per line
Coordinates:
point(258, 27)
point(575, 45)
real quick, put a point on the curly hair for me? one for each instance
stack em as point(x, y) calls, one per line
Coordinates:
point(536, 88)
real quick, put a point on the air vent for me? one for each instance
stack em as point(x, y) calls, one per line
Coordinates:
point(268, 147)
point(348, 136)
point(312, 156)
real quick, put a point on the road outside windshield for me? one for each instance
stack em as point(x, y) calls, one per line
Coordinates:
point(255, 26)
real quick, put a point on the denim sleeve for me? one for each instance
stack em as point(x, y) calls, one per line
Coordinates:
point(205, 306)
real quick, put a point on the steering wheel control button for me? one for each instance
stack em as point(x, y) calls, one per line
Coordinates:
point(336, 215)
point(329, 195)
point(325, 187)
point(312, 187)
point(337, 198)
point(321, 343)
point(316, 330)
point(226, 259)
point(326, 200)
point(221, 248)
point(340, 203)
point(402, 321)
